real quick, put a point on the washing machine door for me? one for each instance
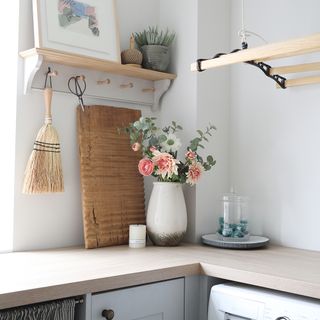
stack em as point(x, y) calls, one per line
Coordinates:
point(223, 306)
point(228, 316)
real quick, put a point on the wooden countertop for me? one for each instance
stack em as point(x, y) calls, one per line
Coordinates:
point(30, 277)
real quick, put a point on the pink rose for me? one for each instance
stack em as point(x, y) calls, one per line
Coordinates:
point(194, 173)
point(191, 155)
point(146, 167)
point(166, 164)
point(153, 149)
point(136, 146)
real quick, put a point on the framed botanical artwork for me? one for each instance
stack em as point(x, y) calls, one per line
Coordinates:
point(85, 27)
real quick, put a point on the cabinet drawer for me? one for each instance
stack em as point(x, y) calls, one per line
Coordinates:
point(156, 301)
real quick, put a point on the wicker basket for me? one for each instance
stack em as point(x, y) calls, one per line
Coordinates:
point(131, 56)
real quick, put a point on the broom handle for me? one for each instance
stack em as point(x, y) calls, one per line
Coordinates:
point(47, 103)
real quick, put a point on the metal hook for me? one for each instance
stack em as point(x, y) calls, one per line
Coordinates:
point(46, 79)
point(49, 74)
point(76, 88)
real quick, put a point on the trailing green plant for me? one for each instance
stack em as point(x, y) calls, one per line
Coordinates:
point(152, 36)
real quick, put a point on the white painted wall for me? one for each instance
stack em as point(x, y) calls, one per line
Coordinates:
point(266, 144)
point(55, 220)
point(275, 154)
point(213, 106)
point(8, 84)
point(197, 99)
point(180, 102)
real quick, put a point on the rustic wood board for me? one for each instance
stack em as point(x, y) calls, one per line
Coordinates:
point(112, 188)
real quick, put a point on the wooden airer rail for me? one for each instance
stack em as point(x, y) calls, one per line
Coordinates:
point(269, 52)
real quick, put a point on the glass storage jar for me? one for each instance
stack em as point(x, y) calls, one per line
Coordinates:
point(233, 222)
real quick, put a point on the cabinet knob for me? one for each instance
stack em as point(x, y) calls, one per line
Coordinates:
point(108, 314)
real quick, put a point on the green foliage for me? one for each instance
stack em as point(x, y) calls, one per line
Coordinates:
point(174, 127)
point(152, 36)
point(196, 142)
point(147, 134)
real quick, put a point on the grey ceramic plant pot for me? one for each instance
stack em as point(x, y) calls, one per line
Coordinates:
point(155, 57)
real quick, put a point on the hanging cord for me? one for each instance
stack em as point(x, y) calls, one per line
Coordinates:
point(243, 33)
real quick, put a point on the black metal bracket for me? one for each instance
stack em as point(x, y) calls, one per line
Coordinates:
point(281, 81)
point(199, 61)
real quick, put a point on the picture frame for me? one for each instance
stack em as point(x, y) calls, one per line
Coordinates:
point(83, 27)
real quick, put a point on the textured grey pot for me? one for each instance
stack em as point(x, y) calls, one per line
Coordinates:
point(155, 57)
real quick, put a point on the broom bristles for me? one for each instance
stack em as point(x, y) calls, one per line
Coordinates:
point(43, 173)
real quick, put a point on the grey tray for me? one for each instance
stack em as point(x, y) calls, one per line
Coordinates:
point(251, 243)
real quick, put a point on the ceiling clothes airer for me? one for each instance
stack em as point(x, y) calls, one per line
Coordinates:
point(243, 34)
point(43, 173)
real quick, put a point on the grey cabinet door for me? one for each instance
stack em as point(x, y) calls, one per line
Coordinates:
point(157, 301)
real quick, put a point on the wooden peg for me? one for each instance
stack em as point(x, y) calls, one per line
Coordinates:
point(126, 85)
point(132, 41)
point(148, 90)
point(53, 73)
point(105, 81)
point(81, 77)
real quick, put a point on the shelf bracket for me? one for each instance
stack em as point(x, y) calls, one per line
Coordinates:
point(161, 87)
point(32, 65)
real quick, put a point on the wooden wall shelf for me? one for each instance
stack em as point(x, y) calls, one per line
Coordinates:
point(37, 57)
point(96, 64)
point(274, 51)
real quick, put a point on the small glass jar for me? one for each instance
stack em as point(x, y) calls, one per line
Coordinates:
point(233, 223)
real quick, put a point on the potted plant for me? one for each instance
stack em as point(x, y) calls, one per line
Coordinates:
point(167, 215)
point(154, 45)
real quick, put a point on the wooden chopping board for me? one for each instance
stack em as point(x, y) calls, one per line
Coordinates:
point(112, 188)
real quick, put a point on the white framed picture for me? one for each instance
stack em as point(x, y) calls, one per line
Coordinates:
point(85, 27)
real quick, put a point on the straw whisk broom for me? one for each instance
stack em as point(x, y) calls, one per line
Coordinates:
point(44, 170)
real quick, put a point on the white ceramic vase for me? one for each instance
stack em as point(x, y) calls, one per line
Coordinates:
point(167, 214)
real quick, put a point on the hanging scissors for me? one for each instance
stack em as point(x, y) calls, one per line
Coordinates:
point(78, 89)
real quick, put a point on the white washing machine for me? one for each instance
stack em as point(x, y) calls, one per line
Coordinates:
point(240, 302)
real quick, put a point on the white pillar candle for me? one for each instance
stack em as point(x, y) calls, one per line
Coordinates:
point(137, 235)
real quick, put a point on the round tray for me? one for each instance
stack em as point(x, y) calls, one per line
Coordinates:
point(251, 243)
